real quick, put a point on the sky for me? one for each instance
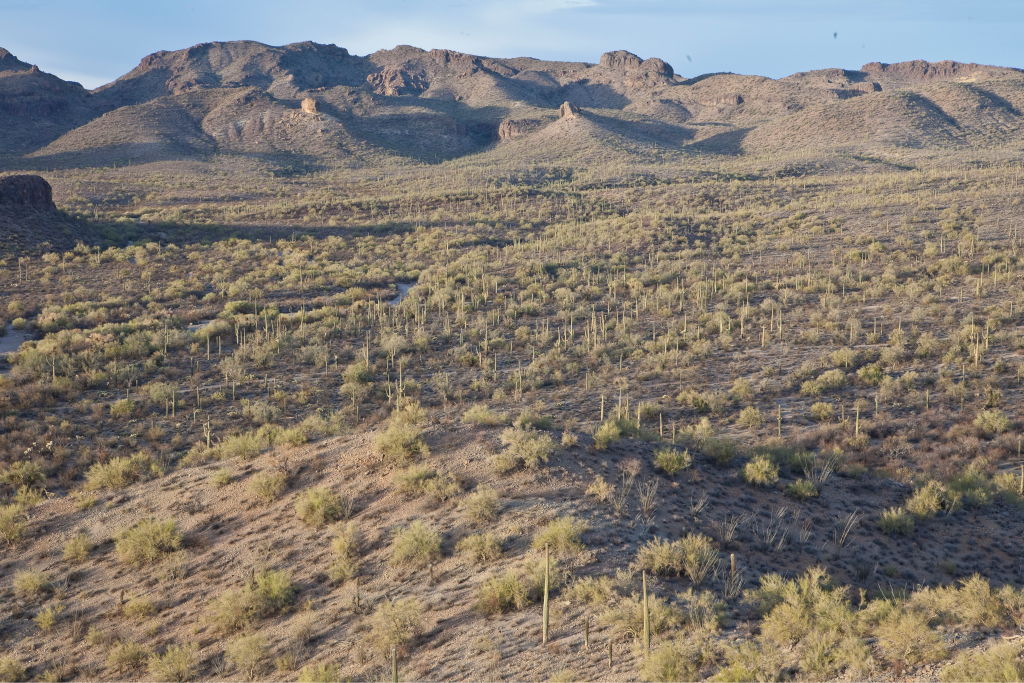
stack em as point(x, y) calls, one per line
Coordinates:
point(95, 41)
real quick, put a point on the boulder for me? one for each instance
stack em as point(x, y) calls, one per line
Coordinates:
point(620, 59)
point(309, 106)
point(568, 110)
point(26, 190)
point(513, 128)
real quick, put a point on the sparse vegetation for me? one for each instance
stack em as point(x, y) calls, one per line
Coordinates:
point(415, 546)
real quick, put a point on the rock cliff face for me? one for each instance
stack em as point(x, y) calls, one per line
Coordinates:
point(627, 61)
point(512, 129)
point(26, 190)
point(309, 106)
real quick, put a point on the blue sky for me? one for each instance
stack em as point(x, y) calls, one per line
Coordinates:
point(95, 41)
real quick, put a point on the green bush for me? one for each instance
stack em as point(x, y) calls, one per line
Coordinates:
point(480, 548)
point(345, 545)
point(802, 489)
point(721, 451)
point(271, 592)
point(122, 408)
point(561, 536)
point(148, 541)
point(481, 505)
point(821, 411)
point(268, 486)
point(677, 660)
point(11, 670)
point(12, 523)
point(31, 583)
point(999, 663)
point(659, 556)
point(402, 441)
point(605, 434)
point(993, 421)
point(504, 593)
point(119, 473)
point(395, 625)
point(481, 415)
point(47, 617)
point(248, 654)
point(761, 471)
point(671, 461)
point(124, 656)
point(320, 673)
point(750, 417)
point(318, 507)
point(23, 473)
point(415, 546)
point(528, 445)
point(177, 663)
point(896, 522)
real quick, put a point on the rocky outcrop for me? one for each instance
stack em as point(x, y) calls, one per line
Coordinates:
point(393, 82)
point(731, 99)
point(919, 70)
point(309, 106)
point(568, 110)
point(627, 61)
point(9, 62)
point(26, 190)
point(513, 128)
point(620, 59)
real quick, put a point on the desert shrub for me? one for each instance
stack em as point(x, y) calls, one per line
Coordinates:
point(821, 411)
point(659, 556)
point(23, 473)
point(46, 619)
point(480, 548)
point(626, 618)
point(395, 625)
point(119, 473)
point(11, 670)
point(12, 523)
point(122, 408)
point(761, 471)
point(270, 592)
point(561, 536)
point(481, 415)
point(671, 461)
point(138, 608)
point(993, 421)
point(319, 673)
point(442, 487)
point(832, 379)
point(319, 507)
point(591, 590)
point(679, 659)
point(896, 522)
point(243, 446)
point(605, 434)
point(415, 546)
point(905, 635)
point(481, 505)
point(345, 545)
point(742, 389)
point(999, 663)
point(531, 419)
point(802, 489)
point(528, 445)
point(504, 593)
point(569, 439)
point(148, 541)
point(722, 451)
point(750, 417)
point(177, 663)
point(402, 441)
point(930, 498)
point(600, 489)
point(268, 486)
point(124, 656)
point(700, 557)
point(31, 583)
point(248, 654)
point(221, 477)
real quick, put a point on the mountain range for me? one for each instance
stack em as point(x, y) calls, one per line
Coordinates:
point(318, 103)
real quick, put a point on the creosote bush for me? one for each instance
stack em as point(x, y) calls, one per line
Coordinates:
point(402, 441)
point(562, 536)
point(896, 522)
point(415, 546)
point(270, 592)
point(481, 505)
point(528, 446)
point(480, 548)
point(395, 625)
point(761, 471)
point(318, 507)
point(148, 541)
point(671, 461)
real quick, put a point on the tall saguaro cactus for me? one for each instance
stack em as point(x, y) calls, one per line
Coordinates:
point(547, 583)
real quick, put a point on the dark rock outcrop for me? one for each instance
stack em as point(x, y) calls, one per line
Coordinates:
point(26, 190)
point(627, 61)
point(513, 128)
